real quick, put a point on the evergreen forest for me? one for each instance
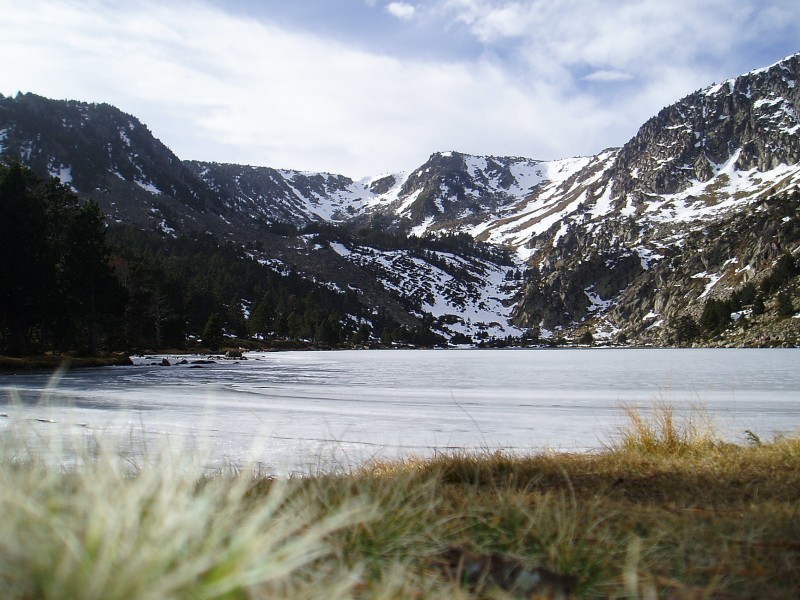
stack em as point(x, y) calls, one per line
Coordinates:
point(69, 283)
point(57, 288)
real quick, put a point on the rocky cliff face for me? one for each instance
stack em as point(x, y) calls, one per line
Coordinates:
point(701, 201)
point(749, 123)
point(712, 262)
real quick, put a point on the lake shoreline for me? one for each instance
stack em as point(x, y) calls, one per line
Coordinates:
point(53, 362)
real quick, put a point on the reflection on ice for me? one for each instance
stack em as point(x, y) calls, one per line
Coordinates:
point(301, 411)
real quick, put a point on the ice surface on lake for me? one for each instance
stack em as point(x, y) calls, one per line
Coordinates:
point(303, 411)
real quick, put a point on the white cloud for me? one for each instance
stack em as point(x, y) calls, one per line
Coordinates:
point(488, 21)
point(401, 10)
point(608, 76)
point(218, 86)
point(665, 49)
point(628, 36)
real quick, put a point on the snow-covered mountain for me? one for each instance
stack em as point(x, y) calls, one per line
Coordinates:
point(669, 223)
point(284, 196)
point(504, 201)
point(700, 202)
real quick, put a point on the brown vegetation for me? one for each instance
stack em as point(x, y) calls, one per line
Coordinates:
point(665, 511)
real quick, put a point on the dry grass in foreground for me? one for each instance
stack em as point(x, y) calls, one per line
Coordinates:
point(666, 511)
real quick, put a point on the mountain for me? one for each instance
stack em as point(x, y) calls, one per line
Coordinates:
point(700, 202)
point(697, 208)
point(281, 216)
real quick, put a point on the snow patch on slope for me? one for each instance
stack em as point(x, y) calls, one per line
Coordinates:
point(62, 172)
point(559, 194)
point(727, 190)
point(463, 295)
point(148, 187)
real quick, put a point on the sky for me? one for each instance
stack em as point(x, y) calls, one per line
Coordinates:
point(365, 87)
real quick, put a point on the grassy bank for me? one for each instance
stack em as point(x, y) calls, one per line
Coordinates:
point(666, 511)
point(56, 361)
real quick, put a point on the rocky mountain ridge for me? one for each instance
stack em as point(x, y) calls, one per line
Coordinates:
point(668, 225)
point(700, 202)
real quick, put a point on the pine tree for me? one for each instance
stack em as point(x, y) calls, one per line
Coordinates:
point(330, 331)
point(362, 335)
point(262, 317)
point(685, 329)
point(88, 283)
point(57, 289)
point(784, 303)
point(212, 332)
point(759, 308)
point(716, 315)
point(26, 261)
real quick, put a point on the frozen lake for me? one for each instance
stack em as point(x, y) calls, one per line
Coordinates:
point(300, 411)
